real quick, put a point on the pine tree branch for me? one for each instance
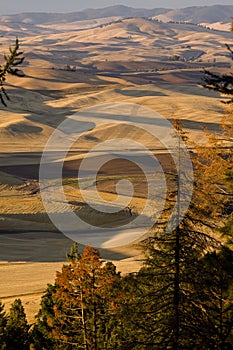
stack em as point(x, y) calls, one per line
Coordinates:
point(10, 67)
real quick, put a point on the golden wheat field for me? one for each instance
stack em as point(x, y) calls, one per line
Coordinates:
point(123, 62)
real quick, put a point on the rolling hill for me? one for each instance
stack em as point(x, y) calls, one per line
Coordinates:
point(195, 14)
point(79, 60)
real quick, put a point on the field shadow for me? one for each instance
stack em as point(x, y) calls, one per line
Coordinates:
point(208, 126)
point(140, 93)
point(39, 246)
point(110, 48)
point(49, 115)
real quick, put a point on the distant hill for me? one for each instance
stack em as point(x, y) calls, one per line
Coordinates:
point(200, 14)
point(112, 11)
point(195, 14)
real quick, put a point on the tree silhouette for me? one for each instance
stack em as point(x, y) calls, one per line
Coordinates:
point(223, 83)
point(217, 279)
point(17, 328)
point(3, 322)
point(12, 61)
point(169, 294)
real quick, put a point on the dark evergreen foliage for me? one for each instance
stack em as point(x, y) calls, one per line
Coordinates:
point(42, 331)
point(217, 286)
point(222, 83)
point(12, 61)
point(17, 328)
point(3, 323)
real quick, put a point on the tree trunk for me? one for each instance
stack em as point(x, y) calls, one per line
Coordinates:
point(177, 260)
point(86, 347)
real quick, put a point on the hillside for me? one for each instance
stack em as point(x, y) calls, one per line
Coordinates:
point(119, 45)
point(200, 14)
point(134, 60)
point(211, 15)
point(52, 18)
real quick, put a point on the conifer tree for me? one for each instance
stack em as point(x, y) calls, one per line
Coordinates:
point(169, 311)
point(45, 319)
point(217, 279)
point(3, 322)
point(78, 311)
point(12, 61)
point(17, 328)
point(223, 83)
